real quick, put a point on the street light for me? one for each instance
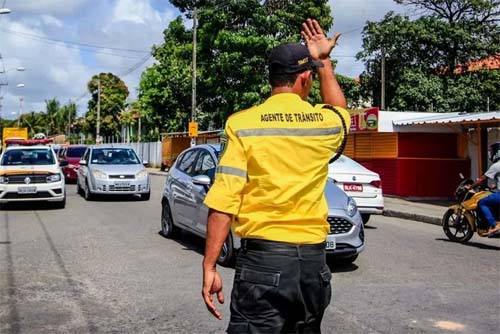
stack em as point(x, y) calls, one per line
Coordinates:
point(21, 99)
point(19, 69)
point(4, 11)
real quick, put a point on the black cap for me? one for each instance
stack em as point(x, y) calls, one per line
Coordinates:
point(292, 58)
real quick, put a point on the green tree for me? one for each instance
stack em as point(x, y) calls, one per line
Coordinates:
point(52, 110)
point(36, 122)
point(233, 40)
point(65, 117)
point(165, 88)
point(113, 95)
point(426, 58)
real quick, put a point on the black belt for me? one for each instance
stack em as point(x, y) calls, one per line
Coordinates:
point(268, 245)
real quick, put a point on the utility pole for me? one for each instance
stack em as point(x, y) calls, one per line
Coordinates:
point(193, 94)
point(139, 129)
point(69, 119)
point(20, 111)
point(1, 98)
point(382, 81)
point(98, 125)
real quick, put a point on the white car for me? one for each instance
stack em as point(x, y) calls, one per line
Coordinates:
point(31, 173)
point(363, 185)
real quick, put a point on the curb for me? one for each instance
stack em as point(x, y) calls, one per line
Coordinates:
point(413, 216)
point(158, 173)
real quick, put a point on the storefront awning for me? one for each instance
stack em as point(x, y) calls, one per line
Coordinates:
point(465, 119)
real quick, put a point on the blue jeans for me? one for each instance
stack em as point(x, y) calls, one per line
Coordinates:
point(485, 205)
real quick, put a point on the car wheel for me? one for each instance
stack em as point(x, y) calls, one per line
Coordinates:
point(456, 227)
point(146, 197)
point(168, 229)
point(226, 257)
point(86, 192)
point(78, 188)
point(365, 217)
point(61, 204)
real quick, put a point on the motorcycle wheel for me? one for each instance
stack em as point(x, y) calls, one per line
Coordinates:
point(456, 227)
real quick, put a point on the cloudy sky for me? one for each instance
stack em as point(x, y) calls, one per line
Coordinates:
point(62, 43)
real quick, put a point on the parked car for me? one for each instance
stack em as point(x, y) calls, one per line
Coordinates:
point(363, 185)
point(112, 169)
point(30, 172)
point(72, 154)
point(192, 174)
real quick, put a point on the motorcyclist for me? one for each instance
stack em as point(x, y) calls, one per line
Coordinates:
point(486, 204)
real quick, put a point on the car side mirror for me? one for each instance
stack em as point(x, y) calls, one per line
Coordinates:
point(63, 163)
point(145, 163)
point(202, 180)
point(82, 162)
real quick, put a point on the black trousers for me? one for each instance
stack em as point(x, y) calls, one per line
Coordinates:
point(279, 288)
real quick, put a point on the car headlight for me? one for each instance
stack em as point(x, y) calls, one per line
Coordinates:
point(351, 207)
point(4, 180)
point(99, 174)
point(142, 174)
point(54, 178)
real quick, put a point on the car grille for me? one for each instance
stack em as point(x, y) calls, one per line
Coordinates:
point(121, 176)
point(34, 178)
point(339, 225)
point(40, 194)
point(121, 188)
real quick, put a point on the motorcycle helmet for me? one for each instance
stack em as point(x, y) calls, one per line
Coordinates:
point(495, 152)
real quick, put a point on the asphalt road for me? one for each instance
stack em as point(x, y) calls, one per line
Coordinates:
point(102, 267)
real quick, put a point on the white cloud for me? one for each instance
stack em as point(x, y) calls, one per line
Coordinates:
point(58, 70)
point(51, 21)
point(349, 18)
point(55, 7)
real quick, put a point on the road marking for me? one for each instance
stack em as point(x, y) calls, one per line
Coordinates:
point(450, 325)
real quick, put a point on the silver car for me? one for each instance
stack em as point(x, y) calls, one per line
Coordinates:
point(190, 178)
point(112, 169)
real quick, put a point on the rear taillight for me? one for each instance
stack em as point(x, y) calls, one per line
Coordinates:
point(376, 184)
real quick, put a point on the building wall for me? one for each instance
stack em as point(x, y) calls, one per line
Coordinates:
point(425, 165)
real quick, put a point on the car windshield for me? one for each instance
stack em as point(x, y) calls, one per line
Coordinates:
point(76, 152)
point(114, 156)
point(27, 156)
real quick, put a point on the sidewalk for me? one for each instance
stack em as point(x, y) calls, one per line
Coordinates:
point(430, 212)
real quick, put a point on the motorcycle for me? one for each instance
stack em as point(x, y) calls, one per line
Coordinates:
point(461, 220)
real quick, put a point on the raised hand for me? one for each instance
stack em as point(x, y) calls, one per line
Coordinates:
point(318, 44)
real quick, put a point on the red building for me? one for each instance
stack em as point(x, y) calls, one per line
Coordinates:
point(421, 154)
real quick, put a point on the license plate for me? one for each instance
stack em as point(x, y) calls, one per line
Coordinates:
point(26, 190)
point(122, 184)
point(353, 187)
point(330, 244)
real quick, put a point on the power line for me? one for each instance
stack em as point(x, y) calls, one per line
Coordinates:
point(80, 48)
point(38, 37)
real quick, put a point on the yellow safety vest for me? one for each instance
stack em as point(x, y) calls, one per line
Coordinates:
point(272, 170)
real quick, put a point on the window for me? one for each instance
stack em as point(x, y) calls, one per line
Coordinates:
point(186, 164)
point(24, 157)
point(205, 165)
point(75, 152)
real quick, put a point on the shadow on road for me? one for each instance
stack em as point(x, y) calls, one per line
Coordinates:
point(339, 267)
point(35, 206)
point(474, 244)
point(369, 227)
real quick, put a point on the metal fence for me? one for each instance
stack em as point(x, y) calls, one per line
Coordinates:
point(150, 152)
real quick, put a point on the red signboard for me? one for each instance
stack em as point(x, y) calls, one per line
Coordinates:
point(364, 119)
